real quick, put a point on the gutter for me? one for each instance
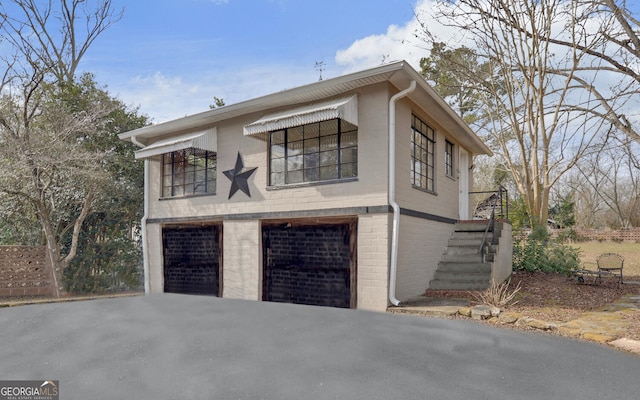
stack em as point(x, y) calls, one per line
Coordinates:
point(143, 222)
point(393, 268)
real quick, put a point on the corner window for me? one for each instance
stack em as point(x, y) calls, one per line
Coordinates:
point(422, 155)
point(188, 172)
point(321, 151)
point(448, 159)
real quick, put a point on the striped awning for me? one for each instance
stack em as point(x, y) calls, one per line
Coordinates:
point(344, 108)
point(203, 140)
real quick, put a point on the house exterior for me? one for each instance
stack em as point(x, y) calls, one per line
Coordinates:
point(339, 193)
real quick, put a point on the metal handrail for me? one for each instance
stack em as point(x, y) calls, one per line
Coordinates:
point(491, 225)
point(503, 199)
point(502, 195)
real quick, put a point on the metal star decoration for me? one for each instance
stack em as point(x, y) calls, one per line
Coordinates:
point(239, 178)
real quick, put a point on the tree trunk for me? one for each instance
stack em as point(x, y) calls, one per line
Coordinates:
point(52, 248)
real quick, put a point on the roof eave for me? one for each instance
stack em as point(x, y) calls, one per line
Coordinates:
point(301, 94)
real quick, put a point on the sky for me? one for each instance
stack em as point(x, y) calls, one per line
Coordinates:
point(171, 57)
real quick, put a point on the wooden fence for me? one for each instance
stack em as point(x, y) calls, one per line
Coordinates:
point(25, 271)
point(623, 235)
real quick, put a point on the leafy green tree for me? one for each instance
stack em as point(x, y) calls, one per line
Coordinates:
point(217, 102)
point(563, 211)
point(48, 121)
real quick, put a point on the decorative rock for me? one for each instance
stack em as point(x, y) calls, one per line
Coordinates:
point(495, 311)
point(627, 344)
point(597, 337)
point(481, 312)
point(509, 318)
point(465, 311)
point(569, 330)
point(536, 324)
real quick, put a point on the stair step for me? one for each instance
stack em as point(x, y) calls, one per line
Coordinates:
point(458, 285)
point(474, 267)
point(474, 257)
point(471, 226)
point(468, 235)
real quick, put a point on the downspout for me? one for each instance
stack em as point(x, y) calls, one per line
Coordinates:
point(143, 223)
point(393, 268)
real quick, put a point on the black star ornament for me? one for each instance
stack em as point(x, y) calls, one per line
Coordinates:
point(239, 178)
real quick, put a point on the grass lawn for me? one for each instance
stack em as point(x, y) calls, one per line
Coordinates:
point(630, 251)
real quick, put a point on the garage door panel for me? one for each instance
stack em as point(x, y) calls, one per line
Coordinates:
point(191, 260)
point(308, 265)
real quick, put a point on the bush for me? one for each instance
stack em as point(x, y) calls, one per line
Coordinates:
point(538, 254)
point(570, 235)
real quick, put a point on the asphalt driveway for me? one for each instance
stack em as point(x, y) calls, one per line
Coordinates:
point(188, 347)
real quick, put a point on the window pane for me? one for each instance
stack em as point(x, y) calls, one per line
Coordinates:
point(329, 127)
point(295, 134)
point(311, 160)
point(311, 146)
point(348, 170)
point(294, 163)
point(211, 186)
point(329, 158)
point(167, 167)
point(277, 137)
point(294, 148)
point(189, 188)
point(277, 151)
point(311, 130)
point(295, 176)
point(191, 177)
point(201, 175)
point(178, 190)
point(349, 139)
point(311, 175)
point(277, 165)
point(277, 178)
point(330, 172)
point(349, 155)
point(328, 143)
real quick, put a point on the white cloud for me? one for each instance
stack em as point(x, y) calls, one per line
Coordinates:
point(399, 42)
point(164, 97)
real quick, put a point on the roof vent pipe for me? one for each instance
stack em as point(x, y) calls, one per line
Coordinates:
point(393, 268)
point(143, 222)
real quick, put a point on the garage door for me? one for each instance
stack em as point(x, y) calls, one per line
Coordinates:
point(191, 260)
point(312, 264)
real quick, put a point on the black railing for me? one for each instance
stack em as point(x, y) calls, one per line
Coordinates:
point(497, 201)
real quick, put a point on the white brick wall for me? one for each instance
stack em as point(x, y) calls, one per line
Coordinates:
point(421, 241)
point(373, 261)
point(156, 275)
point(444, 202)
point(242, 260)
point(369, 189)
point(421, 245)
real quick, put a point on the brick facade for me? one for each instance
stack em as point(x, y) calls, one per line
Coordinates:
point(25, 271)
point(426, 223)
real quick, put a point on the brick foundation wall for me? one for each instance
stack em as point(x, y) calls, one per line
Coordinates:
point(191, 260)
point(307, 265)
point(25, 271)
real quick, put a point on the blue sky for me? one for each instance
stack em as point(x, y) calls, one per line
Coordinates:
point(170, 57)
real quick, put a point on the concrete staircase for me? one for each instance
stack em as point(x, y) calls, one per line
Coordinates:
point(461, 266)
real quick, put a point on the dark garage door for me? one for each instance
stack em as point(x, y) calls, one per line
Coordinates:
point(191, 260)
point(312, 265)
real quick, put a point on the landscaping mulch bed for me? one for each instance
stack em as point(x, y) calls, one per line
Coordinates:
point(556, 298)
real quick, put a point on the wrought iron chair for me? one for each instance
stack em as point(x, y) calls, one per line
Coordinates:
point(610, 263)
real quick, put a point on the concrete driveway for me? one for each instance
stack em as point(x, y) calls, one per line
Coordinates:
point(187, 347)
